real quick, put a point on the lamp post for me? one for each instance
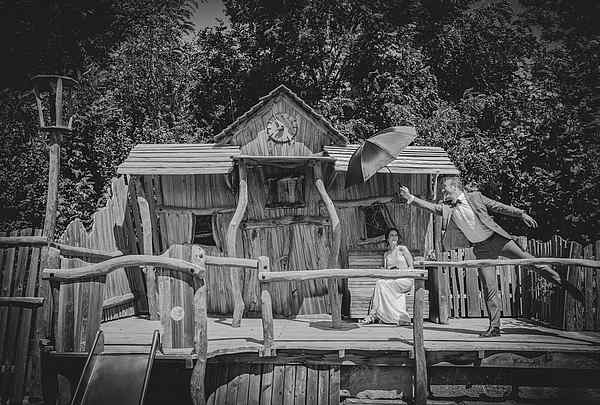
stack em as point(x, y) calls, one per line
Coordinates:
point(53, 94)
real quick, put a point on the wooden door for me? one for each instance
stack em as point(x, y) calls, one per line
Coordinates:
point(299, 246)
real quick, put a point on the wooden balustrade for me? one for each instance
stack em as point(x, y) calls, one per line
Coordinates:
point(594, 264)
point(266, 277)
point(65, 250)
point(96, 274)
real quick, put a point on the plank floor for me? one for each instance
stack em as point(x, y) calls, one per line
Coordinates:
point(314, 333)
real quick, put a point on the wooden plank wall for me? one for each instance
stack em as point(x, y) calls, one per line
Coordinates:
point(115, 227)
point(19, 272)
point(175, 227)
point(263, 384)
point(523, 293)
point(253, 139)
point(289, 247)
point(79, 310)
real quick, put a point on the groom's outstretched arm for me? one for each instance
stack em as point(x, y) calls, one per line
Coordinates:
point(411, 199)
point(509, 210)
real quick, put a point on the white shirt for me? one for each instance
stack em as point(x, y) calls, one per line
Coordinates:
point(465, 218)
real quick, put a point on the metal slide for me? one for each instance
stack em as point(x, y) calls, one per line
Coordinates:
point(114, 378)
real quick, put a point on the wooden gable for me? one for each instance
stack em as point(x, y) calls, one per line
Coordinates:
point(280, 124)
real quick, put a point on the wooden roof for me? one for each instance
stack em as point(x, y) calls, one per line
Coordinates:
point(414, 159)
point(197, 158)
point(223, 136)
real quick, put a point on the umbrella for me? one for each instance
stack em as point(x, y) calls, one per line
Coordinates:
point(377, 152)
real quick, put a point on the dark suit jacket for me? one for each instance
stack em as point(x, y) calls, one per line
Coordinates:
point(452, 236)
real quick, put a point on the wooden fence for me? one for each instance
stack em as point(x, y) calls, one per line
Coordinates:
point(115, 227)
point(523, 293)
point(19, 353)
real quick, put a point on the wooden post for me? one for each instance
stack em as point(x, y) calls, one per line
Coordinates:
point(334, 251)
point(147, 230)
point(52, 196)
point(266, 308)
point(197, 388)
point(419, 345)
point(234, 225)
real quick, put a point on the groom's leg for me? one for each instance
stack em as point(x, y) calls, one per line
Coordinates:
point(489, 281)
point(512, 251)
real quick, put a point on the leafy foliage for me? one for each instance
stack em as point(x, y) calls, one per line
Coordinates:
point(509, 89)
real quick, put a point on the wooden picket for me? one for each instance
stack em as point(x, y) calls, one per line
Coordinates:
point(524, 293)
point(19, 271)
point(115, 228)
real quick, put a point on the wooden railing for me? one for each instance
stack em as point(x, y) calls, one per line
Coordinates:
point(266, 277)
point(95, 274)
point(66, 250)
point(593, 264)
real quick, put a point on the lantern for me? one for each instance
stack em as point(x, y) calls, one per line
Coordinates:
point(54, 97)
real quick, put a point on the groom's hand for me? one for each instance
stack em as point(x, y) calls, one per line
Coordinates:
point(404, 192)
point(529, 221)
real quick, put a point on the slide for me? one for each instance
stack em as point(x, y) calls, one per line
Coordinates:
point(114, 378)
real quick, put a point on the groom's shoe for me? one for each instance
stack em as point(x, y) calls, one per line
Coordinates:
point(491, 332)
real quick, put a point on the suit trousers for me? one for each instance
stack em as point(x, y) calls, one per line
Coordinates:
point(491, 248)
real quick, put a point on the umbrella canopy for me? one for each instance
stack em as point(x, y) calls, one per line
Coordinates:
point(377, 152)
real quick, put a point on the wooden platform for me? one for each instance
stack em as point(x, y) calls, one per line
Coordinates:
point(314, 364)
point(313, 333)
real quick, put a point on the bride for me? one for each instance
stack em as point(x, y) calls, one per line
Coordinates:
point(389, 296)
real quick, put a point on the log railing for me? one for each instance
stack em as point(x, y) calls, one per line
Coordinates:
point(95, 274)
point(66, 250)
point(266, 277)
point(594, 264)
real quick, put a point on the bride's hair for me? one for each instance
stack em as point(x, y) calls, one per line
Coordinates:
point(387, 234)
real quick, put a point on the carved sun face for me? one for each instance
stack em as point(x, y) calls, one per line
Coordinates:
point(282, 128)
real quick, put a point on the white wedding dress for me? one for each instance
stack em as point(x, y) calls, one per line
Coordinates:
point(389, 297)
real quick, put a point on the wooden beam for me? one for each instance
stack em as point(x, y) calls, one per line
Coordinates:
point(24, 302)
point(52, 195)
point(197, 388)
point(66, 250)
point(148, 249)
point(334, 250)
point(249, 159)
point(108, 266)
point(304, 275)
point(119, 300)
point(266, 309)
point(232, 231)
point(369, 241)
point(77, 251)
point(419, 345)
point(285, 221)
point(363, 202)
point(594, 264)
point(231, 261)
point(195, 211)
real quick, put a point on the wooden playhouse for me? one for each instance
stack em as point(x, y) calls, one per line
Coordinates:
point(272, 184)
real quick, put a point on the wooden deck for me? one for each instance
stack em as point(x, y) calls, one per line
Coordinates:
point(315, 333)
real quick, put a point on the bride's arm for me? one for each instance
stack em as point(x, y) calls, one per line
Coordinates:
point(407, 256)
point(385, 257)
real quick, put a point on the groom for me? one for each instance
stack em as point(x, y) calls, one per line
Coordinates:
point(466, 221)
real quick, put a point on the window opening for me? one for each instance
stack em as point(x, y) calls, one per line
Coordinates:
point(203, 231)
